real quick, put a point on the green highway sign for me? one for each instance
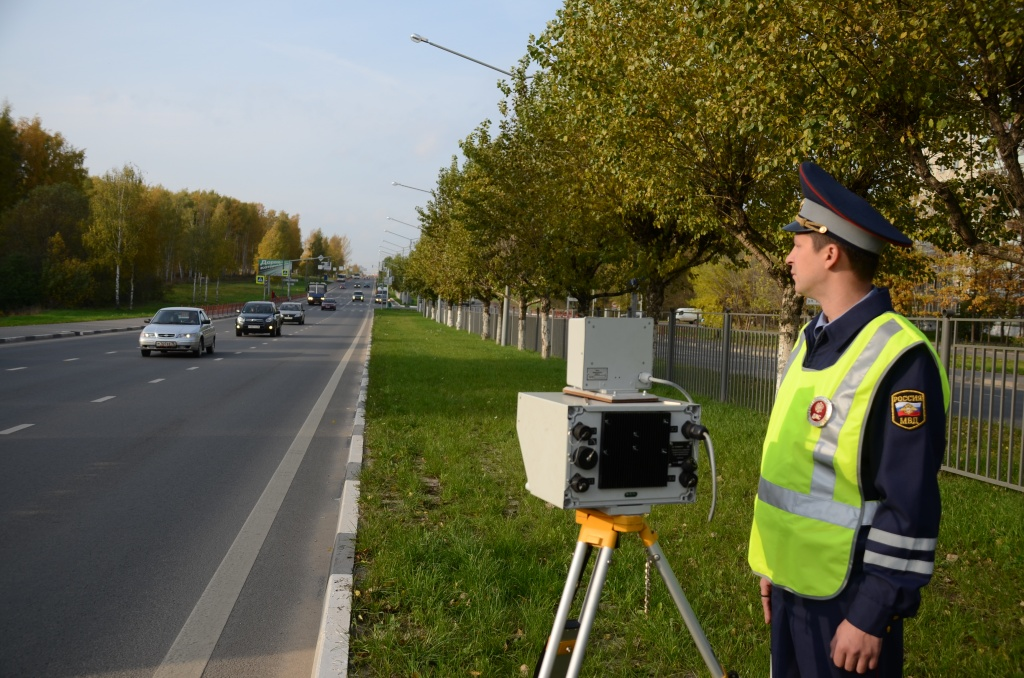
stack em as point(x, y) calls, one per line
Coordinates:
point(274, 266)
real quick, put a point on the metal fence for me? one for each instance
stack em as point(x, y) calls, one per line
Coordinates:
point(732, 358)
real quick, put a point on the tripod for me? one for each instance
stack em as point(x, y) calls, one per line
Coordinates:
point(598, 529)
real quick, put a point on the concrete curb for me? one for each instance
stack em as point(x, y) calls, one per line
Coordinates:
point(69, 333)
point(330, 659)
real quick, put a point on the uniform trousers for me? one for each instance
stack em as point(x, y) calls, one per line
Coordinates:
point(802, 631)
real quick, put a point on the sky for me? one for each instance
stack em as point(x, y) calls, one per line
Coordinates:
point(312, 108)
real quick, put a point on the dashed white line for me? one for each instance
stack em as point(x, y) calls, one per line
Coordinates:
point(193, 368)
point(157, 381)
point(15, 369)
point(70, 360)
point(13, 429)
point(104, 399)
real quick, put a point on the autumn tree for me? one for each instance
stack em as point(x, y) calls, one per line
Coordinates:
point(116, 226)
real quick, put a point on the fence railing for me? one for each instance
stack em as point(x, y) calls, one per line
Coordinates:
point(733, 357)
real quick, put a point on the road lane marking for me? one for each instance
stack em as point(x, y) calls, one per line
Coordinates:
point(104, 399)
point(196, 367)
point(15, 369)
point(216, 359)
point(198, 638)
point(14, 429)
point(70, 360)
point(157, 381)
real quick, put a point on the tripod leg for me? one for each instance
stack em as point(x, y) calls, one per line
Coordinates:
point(656, 555)
point(572, 582)
point(589, 611)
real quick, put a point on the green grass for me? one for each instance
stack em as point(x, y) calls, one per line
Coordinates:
point(459, 568)
point(181, 294)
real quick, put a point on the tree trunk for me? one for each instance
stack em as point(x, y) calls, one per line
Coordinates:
point(545, 334)
point(485, 319)
point(117, 285)
point(521, 341)
point(789, 327)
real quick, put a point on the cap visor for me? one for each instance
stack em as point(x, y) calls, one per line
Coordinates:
point(795, 227)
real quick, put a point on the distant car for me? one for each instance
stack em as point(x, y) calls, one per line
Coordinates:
point(341, 286)
point(291, 312)
point(258, 316)
point(178, 328)
point(356, 285)
point(379, 298)
point(357, 296)
point(688, 315)
point(329, 304)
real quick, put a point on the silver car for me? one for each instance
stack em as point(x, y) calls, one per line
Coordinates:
point(178, 328)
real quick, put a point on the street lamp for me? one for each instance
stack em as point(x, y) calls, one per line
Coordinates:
point(406, 223)
point(419, 38)
point(411, 240)
point(423, 190)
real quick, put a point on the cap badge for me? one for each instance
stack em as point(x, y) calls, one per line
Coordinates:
point(820, 411)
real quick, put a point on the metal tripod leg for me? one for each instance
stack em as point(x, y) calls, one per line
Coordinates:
point(657, 557)
point(572, 581)
point(590, 603)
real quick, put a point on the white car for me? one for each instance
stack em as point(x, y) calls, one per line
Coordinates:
point(688, 315)
point(178, 328)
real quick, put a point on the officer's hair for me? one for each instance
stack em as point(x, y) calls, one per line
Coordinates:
point(863, 263)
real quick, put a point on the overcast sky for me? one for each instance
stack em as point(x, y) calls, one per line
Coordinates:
point(308, 107)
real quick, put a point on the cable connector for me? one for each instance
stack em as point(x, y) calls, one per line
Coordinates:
point(694, 431)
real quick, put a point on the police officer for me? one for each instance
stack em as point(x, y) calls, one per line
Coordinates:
point(847, 509)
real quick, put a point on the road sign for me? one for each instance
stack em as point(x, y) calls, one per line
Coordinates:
point(274, 266)
point(261, 279)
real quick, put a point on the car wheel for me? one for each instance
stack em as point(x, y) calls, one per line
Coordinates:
point(303, 321)
point(238, 333)
point(196, 352)
point(209, 349)
point(145, 352)
point(279, 330)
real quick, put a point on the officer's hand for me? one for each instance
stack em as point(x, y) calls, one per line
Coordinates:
point(854, 650)
point(766, 600)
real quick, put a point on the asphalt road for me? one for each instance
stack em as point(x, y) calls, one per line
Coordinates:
point(172, 515)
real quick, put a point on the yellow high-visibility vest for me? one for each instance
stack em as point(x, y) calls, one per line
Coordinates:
point(809, 502)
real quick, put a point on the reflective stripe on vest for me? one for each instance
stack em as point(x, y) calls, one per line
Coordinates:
point(809, 504)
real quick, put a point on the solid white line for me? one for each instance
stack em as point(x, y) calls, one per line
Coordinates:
point(104, 399)
point(197, 639)
point(14, 429)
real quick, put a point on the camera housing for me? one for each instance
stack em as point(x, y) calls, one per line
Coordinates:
point(601, 443)
point(618, 457)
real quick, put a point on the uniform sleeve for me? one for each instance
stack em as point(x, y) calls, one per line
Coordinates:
point(905, 451)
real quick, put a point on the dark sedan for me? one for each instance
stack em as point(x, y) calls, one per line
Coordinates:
point(329, 304)
point(258, 316)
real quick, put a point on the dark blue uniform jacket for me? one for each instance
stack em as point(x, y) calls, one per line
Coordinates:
point(898, 467)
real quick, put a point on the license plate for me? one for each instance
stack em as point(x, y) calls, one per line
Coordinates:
point(165, 344)
point(254, 327)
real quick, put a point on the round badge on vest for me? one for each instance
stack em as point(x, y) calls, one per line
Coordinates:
point(820, 411)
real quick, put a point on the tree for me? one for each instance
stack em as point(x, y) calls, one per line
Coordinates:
point(116, 226)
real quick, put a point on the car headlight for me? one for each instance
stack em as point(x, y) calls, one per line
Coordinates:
point(184, 335)
point(148, 335)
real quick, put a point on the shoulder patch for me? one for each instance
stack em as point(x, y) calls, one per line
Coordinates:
point(908, 410)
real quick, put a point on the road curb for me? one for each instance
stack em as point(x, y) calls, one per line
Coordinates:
point(69, 333)
point(332, 648)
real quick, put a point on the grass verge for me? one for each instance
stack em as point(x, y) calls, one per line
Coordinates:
point(459, 568)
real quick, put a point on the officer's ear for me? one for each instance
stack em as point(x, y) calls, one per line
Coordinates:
point(831, 254)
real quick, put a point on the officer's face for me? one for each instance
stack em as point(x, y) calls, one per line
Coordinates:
point(806, 265)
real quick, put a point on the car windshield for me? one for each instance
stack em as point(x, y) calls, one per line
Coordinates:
point(257, 308)
point(176, 317)
point(289, 307)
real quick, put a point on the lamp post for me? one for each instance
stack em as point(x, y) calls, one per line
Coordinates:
point(411, 240)
point(419, 38)
point(415, 37)
point(405, 223)
point(422, 190)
